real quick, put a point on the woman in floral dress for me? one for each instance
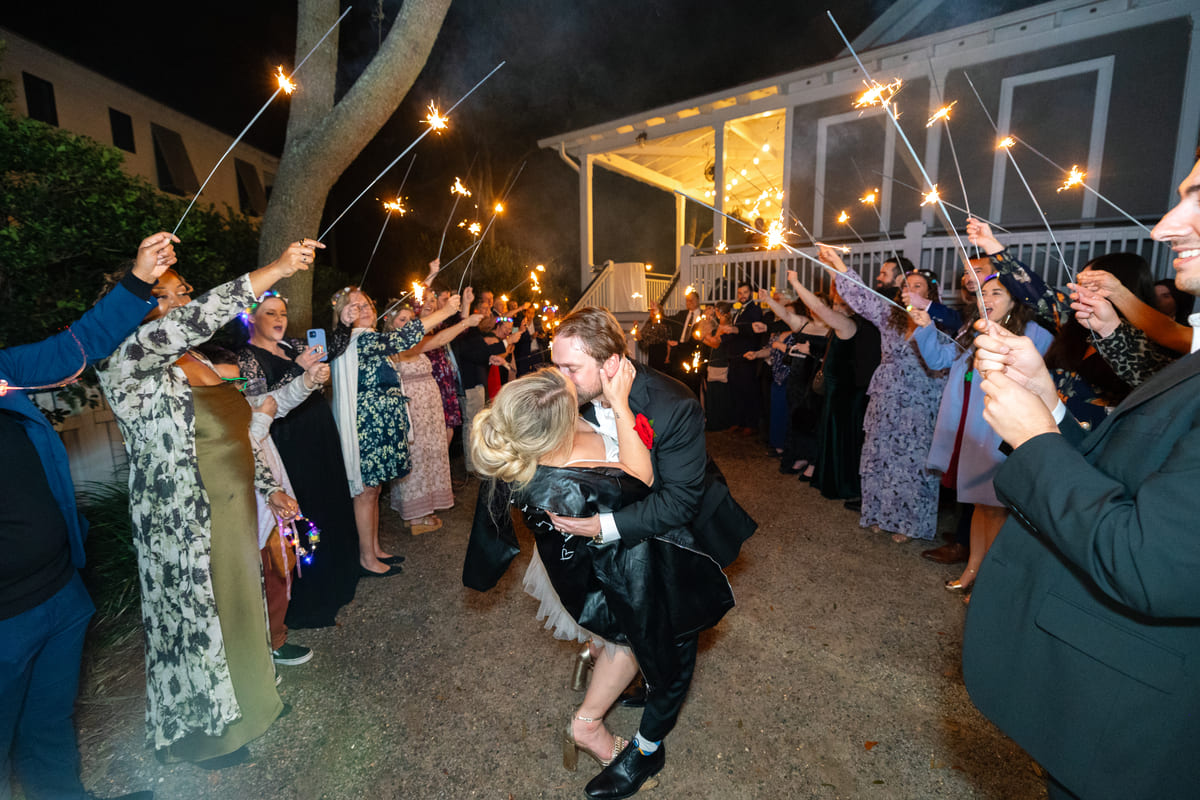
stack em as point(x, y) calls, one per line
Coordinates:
point(426, 488)
point(210, 683)
point(899, 492)
point(369, 408)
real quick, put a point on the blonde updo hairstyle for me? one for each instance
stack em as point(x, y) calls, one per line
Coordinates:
point(530, 418)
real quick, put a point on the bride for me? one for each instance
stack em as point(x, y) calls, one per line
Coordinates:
point(545, 458)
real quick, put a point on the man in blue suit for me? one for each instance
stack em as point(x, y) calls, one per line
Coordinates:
point(1083, 636)
point(44, 609)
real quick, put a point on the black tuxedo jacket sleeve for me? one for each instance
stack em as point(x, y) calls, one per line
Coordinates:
point(690, 495)
point(1083, 635)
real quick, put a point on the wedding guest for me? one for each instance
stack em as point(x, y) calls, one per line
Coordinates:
point(369, 408)
point(307, 441)
point(899, 493)
point(210, 683)
point(44, 608)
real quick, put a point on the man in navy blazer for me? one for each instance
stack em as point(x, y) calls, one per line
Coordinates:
point(1083, 636)
point(44, 609)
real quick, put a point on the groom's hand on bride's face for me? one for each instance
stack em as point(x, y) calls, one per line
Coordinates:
point(576, 526)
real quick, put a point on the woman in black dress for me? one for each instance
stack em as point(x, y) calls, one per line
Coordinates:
point(307, 440)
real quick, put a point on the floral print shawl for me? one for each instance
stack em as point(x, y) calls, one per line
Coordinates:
point(188, 688)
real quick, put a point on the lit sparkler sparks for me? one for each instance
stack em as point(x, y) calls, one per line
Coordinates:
point(942, 113)
point(931, 198)
point(436, 121)
point(404, 152)
point(722, 247)
point(474, 228)
point(841, 248)
point(284, 82)
point(843, 218)
point(498, 208)
point(775, 235)
point(459, 189)
point(418, 291)
point(878, 94)
point(1006, 143)
point(395, 207)
point(869, 198)
point(1074, 178)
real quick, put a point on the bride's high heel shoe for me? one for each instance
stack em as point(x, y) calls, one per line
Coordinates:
point(571, 748)
point(960, 585)
point(583, 664)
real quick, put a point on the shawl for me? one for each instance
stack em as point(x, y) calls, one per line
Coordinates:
point(345, 409)
point(188, 688)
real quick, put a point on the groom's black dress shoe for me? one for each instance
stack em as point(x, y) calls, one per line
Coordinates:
point(624, 776)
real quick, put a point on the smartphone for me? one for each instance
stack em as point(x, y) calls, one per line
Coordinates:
point(316, 338)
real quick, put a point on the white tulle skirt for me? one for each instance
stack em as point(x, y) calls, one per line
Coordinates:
point(550, 608)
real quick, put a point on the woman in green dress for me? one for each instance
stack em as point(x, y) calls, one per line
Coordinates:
point(210, 681)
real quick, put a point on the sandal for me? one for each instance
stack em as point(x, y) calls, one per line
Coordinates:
point(419, 527)
point(571, 748)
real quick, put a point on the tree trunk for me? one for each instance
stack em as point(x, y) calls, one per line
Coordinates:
point(323, 139)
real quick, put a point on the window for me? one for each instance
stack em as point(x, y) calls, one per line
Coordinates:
point(122, 130)
point(39, 99)
point(251, 197)
point(175, 173)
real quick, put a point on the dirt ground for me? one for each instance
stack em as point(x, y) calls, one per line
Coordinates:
point(836, 676)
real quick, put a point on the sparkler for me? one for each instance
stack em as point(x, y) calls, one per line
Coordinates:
point(943, 114)
point(285, 85)
point(889, 108)
point(499, 207)
point(435, 119)
point(877, 94)
point(393, 207)
point(1006, 145)
point(794, 251)
point(1075, 178)
point(533, 276)
point(404, 152)
point(844, 219)
point(459, 191)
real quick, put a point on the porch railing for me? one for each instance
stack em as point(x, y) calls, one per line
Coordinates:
point(716, 275)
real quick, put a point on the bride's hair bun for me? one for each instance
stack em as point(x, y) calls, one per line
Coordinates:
point(529, 418)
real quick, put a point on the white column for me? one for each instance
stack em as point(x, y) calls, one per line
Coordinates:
point(586, 255)
point(718, 182)
point(680, 226)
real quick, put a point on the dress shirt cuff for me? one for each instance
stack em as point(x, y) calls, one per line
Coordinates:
point(608, 528)
point(1195, 339)
point(1059, 412)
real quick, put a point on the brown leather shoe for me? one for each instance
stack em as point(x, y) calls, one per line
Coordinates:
point(953, 553)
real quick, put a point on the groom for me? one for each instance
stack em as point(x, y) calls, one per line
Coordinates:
point(689, 493)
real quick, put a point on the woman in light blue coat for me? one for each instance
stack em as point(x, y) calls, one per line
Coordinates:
point(965, 449)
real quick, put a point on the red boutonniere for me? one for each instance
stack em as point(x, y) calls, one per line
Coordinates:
point(645, 430)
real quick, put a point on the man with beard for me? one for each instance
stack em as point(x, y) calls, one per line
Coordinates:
point(688, 494)
point(1084, 629)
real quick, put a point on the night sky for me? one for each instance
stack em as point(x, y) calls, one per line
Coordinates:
point(570, 65)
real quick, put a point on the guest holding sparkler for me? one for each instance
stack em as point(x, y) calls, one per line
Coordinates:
point(441, 362)
point(899, 492)
point(1088, 380)
point(307, 441)
point(797, 356)
point(210, 683)
point(369, 408)
point(846, 365)
point(44, 607)
point(475, 355)
point(426, 489)
point(652, 335)
point(965, 449)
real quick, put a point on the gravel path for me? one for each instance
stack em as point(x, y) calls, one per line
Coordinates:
point(836, 676)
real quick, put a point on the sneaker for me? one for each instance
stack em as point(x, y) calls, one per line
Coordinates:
point(292, 654)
